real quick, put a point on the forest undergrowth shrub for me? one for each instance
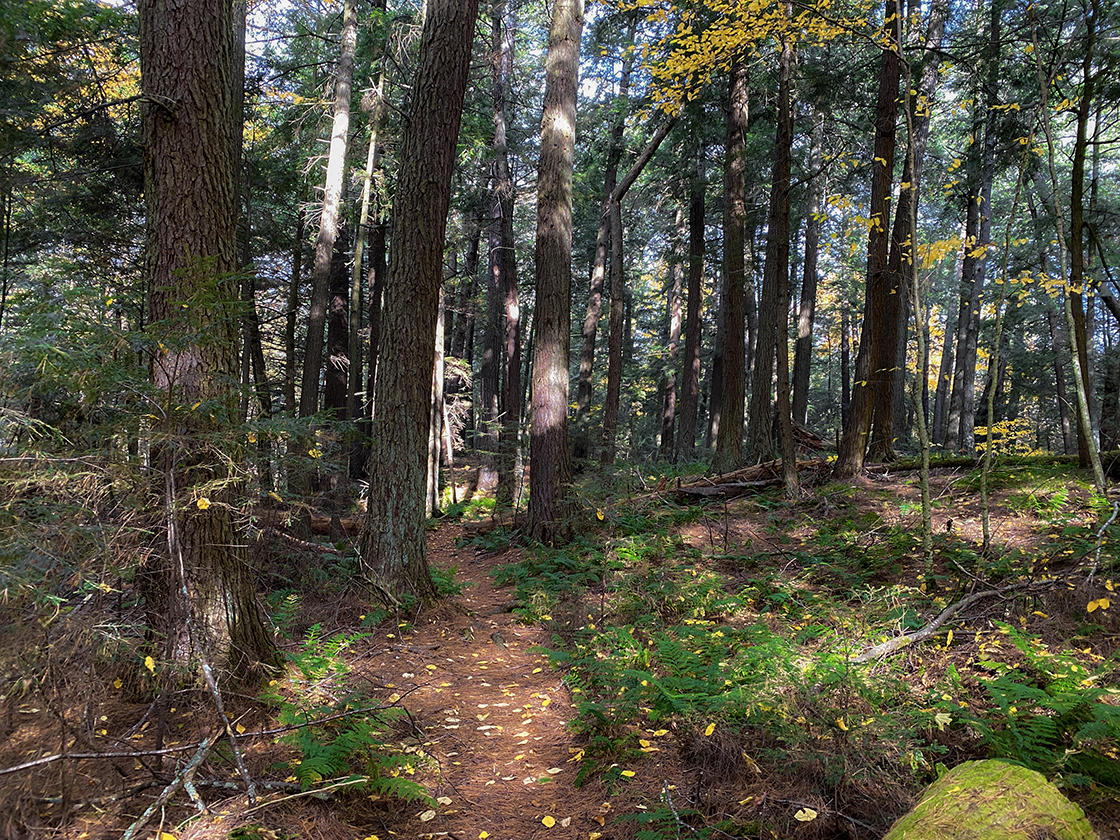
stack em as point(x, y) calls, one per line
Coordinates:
point(342, 737)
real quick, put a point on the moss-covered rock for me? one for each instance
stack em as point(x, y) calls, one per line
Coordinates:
point(992, 800)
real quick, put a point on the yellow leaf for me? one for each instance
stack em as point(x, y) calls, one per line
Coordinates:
point(118, 682)
point(949, 639)
point(150, 664)
point(203, 503)
point(711, 728)
point(594, 835)
point(599, 515)
point(629, 774)
point(805, 815)
point(548, 821)
point(163, 835)
point(843, 726)
point(240, 729)
point(482, 835)
point(272, 494)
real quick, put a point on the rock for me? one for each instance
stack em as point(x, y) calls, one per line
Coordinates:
point(992, 800)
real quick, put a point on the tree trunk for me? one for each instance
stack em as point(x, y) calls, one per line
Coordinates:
point(845, 360)
point(944, 378)
point(291, 316)
point(435, 421)
point(582, 436)
point(392, 549)
point(328, 220)
point(773, 316)
point(503, 25)
point(672, 351)
point(690, 384)
point(336, 400)
point(890, 393)
point(803, 348)
point(614, 334)
point(550, 469)
point(729, 440)
point(201, 596)
point(869, 359)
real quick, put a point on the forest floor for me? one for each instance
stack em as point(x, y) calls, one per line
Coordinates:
point(472, 710)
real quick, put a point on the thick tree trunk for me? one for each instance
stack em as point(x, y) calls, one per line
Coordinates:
point(944, 379)
point(803, 348)
point(550, 469)
point(690, 383)
point(200, 596)
point(869, 359)
point(328, 220)
point(729, 440)
point(845, 361)
point(392, 547)
point(773, 316)
point(672, 350)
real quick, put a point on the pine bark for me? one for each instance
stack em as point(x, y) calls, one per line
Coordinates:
point(803, 348)
point(201, 595)
point(550, 469)
point(869, 359)
point(392, 548)
point(729, 440)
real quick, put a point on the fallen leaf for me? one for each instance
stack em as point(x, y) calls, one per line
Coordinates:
point(711, 728)
point(443, 800)
point(594, 835)
point(428, 816)
point(150, 664)
point(564, 823)
point(805, 815)
point(548, 821)
point(482, 835)
point(555, 770)
point(629, 774)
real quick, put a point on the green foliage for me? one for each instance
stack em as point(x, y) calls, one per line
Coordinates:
point(1053, 714)
point(342, 738)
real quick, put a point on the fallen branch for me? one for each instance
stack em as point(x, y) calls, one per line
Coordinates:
point(898, 642)
point(314, 546)
point(184, 775)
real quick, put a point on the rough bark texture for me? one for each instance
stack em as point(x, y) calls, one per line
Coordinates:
point(773, 316)
point(328, 220)
point(290, 316)
point(201, 595)
point(392, 548)
point(550, 468)
point(729, 437)
point(690, 383)
point(889, 395)
point(869, 359)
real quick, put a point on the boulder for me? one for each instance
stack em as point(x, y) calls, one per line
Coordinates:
point(992, 800)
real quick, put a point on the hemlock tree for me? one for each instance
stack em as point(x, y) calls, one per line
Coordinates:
point(393, 554)
point(201, 596)
point(550, 466)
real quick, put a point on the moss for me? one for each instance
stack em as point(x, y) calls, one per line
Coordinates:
point(992, 800)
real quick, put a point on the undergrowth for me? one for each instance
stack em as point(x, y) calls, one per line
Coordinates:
point(743, 656)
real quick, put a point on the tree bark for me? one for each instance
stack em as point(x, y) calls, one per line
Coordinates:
point(550, 469)
point(614, 334)
point(729, 440)
point(201, 596)
point(869, 359)
point(672, 350)
point(581, 443)
point(336, 400)
point(803, 348)
point(503, 25)
point(690, 384)
point(328, 220)
point(392, 549)
point(773, 320)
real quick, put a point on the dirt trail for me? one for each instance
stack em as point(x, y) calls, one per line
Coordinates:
point(490, 712)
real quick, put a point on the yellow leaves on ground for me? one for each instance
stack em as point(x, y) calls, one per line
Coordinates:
point(805, 815)
point(1099, 604)
point(548, 820)
point(711, 728)
point(150, 664)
